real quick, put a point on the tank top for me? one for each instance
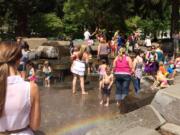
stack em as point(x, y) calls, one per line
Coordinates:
point(122, 66)
point(31, 72)
point(103, 49)
point(139, 69)
point(17, 106)
point(160, 56)
point(102, 70)
point(47, 70)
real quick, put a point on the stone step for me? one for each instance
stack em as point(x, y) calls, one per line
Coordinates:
point(171, 128)
point(140, 131)
point(167, 103)
point(146, 117)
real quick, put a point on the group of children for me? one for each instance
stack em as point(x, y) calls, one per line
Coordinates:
point(32, 73)
point(105, 82)
point(163, 72)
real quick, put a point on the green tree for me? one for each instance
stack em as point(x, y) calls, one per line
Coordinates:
point(175, 18)
point(20, 11)
point(106, 14)
point(46, 24)
point(164, 10)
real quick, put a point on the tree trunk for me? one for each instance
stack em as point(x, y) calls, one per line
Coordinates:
point(175, 24)
point(175, 16)
point(21, 28)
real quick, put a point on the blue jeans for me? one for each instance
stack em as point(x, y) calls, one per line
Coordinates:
point(136, 83)
point(122, 85)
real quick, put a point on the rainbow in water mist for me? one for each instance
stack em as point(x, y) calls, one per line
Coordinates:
point(81, 127)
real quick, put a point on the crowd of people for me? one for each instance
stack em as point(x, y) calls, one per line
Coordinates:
point(122, 65)
point(117, 63)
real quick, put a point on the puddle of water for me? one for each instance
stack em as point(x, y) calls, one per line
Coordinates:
point(81, 127)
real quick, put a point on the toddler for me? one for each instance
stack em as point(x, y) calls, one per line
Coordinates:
point(102, 71)
point(162, 79)
point(32, 74)
point(47, 70)
point(106, 84)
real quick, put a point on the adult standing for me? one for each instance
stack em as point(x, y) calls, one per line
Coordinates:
point(87, 35)
point(122, 70)
point(159, 52)
point(120, 40)
point(71, 47)
point(24, 60)
point(19, 111)
point(147, 42)
point(88, 41)
point(78, 68)
point(103, 50)
point(137, 70)
point(132, 41)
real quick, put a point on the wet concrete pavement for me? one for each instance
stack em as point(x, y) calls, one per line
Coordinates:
point(66, 114)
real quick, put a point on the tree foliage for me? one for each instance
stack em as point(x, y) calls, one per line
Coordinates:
point(46, 24)
point(71, 16)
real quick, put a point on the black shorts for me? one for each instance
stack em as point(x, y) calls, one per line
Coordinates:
point(105, 90)
point(22, 67)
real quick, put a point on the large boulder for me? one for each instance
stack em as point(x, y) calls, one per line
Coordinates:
point(170, 128)
point(167, 103)
point(63, 50)
point(52, 50)
point(34, 43)
point(47, 52)
point(32, 55)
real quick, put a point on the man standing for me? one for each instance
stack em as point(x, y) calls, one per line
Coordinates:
point(87, 35)
point(132, 41)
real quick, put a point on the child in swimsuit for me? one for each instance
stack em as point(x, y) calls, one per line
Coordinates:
point(106, 85)
point(163, 69)
point(48, 73)
point(162, 79)
point(32, 75)
point(102, 72)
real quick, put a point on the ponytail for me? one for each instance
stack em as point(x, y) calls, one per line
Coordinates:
point(121, 52)
point(4, 71)
point(9, 55)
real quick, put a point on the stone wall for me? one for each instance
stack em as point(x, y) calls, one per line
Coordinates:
point(162, 116)
point(35, 42)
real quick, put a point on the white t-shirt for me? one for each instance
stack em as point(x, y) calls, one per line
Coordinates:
point(86, 35)
point(147, 42)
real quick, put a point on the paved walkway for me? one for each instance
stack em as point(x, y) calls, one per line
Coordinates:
point(62, 110)
point(66, 114)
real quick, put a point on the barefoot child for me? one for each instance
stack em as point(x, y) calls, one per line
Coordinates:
point(102, 72)
point(32, 74)
point(163, 69)
point(106, 84)
point(47, 70)
point(162, 79)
